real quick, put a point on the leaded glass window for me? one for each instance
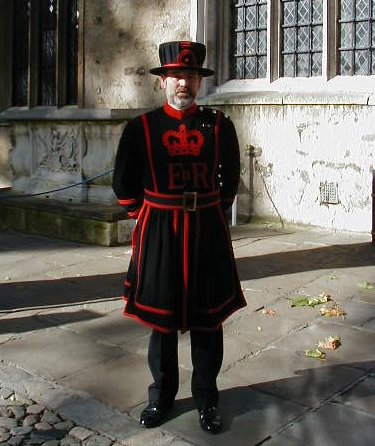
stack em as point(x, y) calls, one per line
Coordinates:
point(72, 52)
point(302, 38)
point(20, 52)
point(249, 39)
point(47, 53)
point(357, 37)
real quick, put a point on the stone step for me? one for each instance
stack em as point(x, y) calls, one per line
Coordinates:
point(97, 224)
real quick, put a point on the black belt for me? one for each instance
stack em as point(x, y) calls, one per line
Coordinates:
point(187, 201)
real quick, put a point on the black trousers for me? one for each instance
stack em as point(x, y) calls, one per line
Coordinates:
point(206, 356)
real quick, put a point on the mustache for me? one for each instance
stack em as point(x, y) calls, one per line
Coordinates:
point(183, 90)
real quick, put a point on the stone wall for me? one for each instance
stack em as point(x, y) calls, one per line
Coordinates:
point(5, 146)
point(294, 154)
point(121, 44)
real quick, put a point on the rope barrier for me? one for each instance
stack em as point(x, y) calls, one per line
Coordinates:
point(56, 190)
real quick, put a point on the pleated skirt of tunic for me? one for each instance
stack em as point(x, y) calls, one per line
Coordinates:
point(182, 273)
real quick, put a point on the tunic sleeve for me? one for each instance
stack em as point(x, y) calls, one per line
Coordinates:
point(128, 172)
point(229, 162)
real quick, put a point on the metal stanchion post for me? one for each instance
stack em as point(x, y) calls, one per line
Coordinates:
point(234, 212)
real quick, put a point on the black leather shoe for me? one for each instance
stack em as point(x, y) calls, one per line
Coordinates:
point(210, 420)
point(153, 414)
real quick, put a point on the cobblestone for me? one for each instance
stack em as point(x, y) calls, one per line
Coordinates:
point(23, 422)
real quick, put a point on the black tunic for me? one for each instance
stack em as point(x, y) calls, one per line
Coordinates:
point(176, 172)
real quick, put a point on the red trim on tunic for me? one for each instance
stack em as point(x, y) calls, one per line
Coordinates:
point(180, 114)
point(177, 201)
point(172, 206)
point(133, 214)
point(147, 324)
point(154, 310)
point(149, 151)
point(127, 202)
point(175, 221)
point(136, 229)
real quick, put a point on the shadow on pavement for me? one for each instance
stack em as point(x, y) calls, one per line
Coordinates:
point(265, 407)
point(75, 290)
point(32, 323)
point(290, 262)
point(54, 292)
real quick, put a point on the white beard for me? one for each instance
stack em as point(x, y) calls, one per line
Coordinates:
point(177, 102)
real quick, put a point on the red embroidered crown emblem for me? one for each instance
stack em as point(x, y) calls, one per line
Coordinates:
point(183, 142)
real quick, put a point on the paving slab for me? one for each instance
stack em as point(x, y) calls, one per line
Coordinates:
point(339, 284)
point(361, 396)
point(366, 295)
point(90, 267)
point(370, 325)
point(263, 329)
point(330, 425)
point(64, 341)
point(358, 313)
point(49, 292)
point(55, 353)
point(356, 349)
point(29, 321)
point(277, 285)
point(291, 376)
point(108, 325)
point(249, 417)
point(121, 383)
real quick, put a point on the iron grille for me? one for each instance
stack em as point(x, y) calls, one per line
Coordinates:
point(20, 62)
point(357, 37)
point(302, 38)
point(329, 193)
point(47, 53)
point(72, 57)
point(249, 39)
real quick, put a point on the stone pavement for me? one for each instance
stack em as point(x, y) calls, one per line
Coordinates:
point(67, 353)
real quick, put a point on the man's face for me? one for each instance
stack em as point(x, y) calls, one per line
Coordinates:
point(181, 87)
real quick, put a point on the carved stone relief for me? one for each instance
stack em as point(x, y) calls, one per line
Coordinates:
point(56, 149)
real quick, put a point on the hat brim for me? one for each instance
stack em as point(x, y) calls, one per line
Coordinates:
point(160, 71)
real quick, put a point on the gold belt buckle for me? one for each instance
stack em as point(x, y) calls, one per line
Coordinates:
point(189, 201)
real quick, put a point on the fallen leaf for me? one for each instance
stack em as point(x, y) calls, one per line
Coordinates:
point(330, 342)
point(269, 312)
point(334, 311)
point(366, 285)
point(300, 301)
point(310, 301)
point(315, 353)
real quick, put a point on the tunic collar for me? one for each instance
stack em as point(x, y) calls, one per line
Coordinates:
point(180, 114)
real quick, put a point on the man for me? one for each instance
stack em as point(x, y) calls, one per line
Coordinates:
point(176, 172)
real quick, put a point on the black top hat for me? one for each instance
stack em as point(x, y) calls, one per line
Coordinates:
point(183, 55)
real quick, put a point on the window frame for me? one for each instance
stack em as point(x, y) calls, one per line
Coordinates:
point(219, 58)
point(61, 74)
